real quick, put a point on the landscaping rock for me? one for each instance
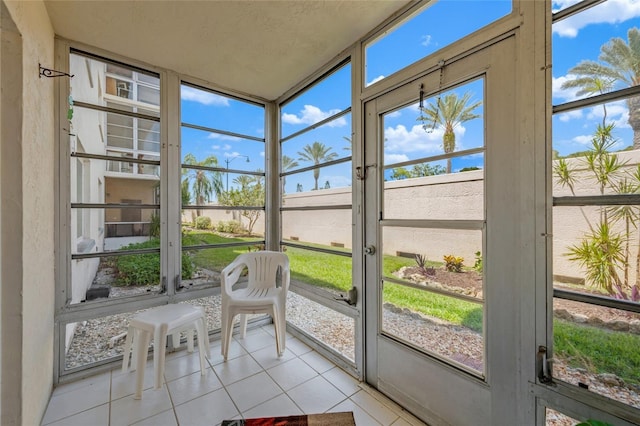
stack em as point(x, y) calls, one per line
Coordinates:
point(634, 326)
point(580, 319)
point(563, 314)
point(610, 379)
point(618, 325)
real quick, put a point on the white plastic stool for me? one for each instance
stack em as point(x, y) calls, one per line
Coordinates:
point(158, 323)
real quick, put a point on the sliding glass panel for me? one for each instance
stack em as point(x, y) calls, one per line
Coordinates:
point(313, 105)
point(331, 228)
point(426, 32)
point(202, 107)
point(329, 272)
point(596, 348)
point(328, 142)
point(317, 180)
point(332, 328)
point(202, 266)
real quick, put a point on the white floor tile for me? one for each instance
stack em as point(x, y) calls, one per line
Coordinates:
point(237, 369)
point(193, 386)
point(92, 380)
point(166, 418)
point(317, 361)
point(297, 347)
point(401, 422)
point(256, 339)
point(375, 408)
point(281, 405)
point(98, 416)
point(210, 409)
point(360, 416)
point(75, 401)
point(124, 384)
point(183, 366)
point(347, 384)
point(252, 391)
point(316, 395)
point(292, 373)
point(126, 411)
point(235, 351)
point(268, 357)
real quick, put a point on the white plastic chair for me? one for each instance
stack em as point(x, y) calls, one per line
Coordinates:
point(261, 295)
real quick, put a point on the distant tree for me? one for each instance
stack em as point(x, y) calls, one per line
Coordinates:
point(449, 112)
point(618, 63)
point(468, 169)
point(420, 170)
point(249, 194)
point(400, 173)
point(299, 187)
point(327, 185)
point(202, 183)
point(288, 163)
point(316, 153)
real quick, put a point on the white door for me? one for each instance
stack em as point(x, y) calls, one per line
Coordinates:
point(439, 183)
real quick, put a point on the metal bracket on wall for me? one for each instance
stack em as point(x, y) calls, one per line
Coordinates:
point(48, 72)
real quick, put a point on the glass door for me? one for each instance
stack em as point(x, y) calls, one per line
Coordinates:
point(435, 185)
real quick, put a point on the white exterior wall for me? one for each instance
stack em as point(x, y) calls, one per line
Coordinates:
point(38, 154)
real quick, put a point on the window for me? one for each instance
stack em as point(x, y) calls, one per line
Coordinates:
point(426, 32)
point(595, 177)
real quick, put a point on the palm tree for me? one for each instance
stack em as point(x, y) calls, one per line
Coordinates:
point(619, 62)
point(449, 113)
point(288, 163)
point(316, 153)
point(204, 183)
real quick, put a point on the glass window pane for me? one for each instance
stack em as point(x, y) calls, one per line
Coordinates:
point(449, 259)
point(597, 347)
point(313, 105)
point(450, 122)
point(331, 228)
point(583, 42)
point(212, 110)
point(149, 95)
point(333, 177)
point(444, 326)
point(458, 196)
point(201, 267)
point(329, 142)
point(330, 272)
point(148, 135)
point(426, 32)
point(556, 418)
point(326, 325)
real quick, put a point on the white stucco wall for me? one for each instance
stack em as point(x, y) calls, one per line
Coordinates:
point(38, 156)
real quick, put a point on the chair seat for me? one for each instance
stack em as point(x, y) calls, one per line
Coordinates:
point(158, 323)
point(251, 295)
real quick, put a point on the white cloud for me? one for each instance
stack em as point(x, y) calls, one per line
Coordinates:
point(375, 80)
point(565, 95)
point(215, 147)
point(226, 147)
point(583, 139)
point(334, 181)
point(231, 154)
point(312, 114)
point(401, 140)
point(617, 113)
point(610, 12)
point(426, 40)
point(571, 115)
point(206, 98)
point(261, 153)
point(395, 158)
point(393, 114)
point(222, 137)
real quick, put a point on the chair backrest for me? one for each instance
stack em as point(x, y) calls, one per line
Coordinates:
point(263, 267)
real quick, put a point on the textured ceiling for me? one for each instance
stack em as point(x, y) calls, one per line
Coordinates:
point(260, 48)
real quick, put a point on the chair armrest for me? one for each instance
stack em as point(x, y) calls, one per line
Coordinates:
point(230, 275)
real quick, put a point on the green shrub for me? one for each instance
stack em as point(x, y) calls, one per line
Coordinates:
point(453, 263)
point(230, 227)
point(203, 222)
point(144, 269)
point(478, 263)
point(154, 226)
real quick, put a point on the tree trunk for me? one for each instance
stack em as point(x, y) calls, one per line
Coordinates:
point(634, 119)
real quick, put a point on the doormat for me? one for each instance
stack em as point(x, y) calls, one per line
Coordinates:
point(325, 419)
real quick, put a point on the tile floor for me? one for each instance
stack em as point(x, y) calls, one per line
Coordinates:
point(254, 382)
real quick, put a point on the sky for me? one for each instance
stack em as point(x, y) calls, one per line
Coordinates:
point(574, 39)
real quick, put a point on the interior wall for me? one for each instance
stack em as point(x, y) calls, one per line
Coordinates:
point(31, 180)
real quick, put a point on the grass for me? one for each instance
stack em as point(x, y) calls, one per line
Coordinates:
point(598, 350)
